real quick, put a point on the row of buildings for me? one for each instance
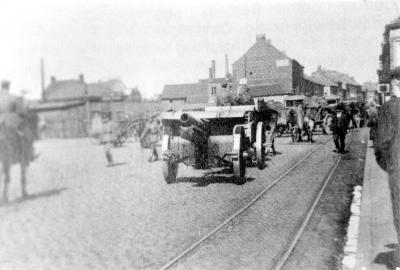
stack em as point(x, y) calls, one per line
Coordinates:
point(68, 106)
point(269, 74)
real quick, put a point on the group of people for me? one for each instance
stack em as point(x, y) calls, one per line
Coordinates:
point(351, 116)
point(149, 136)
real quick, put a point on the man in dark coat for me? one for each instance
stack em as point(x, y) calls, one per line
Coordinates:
point(339, 128)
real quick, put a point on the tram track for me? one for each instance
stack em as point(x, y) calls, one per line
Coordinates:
point(288, 251)
point(207, 236)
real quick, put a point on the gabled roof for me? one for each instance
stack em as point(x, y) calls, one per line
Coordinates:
point(267, 90)
point(314, 80)
point(321, 78)
point(332, 77)
point(65, 89)
point(263, 48)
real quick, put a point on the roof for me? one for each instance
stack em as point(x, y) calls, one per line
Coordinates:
point(320, 78)
point(188, 91)
point(314, 80)
point(262, 48)
point(267, 90)
point(73, 89)
point(332, 77)
point(179, 91)
point(55, 105)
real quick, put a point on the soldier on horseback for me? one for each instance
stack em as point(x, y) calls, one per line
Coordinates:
point(18, 131)
point(12, 113)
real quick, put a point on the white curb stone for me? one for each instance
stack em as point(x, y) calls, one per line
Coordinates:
point(350, 249)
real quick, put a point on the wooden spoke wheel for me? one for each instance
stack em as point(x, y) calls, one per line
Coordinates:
point(239, 166)
point(170, 165)
point(260, 145)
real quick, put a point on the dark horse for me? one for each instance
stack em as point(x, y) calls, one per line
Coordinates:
point(17, 135)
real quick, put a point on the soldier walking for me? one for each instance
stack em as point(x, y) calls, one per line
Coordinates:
point(339, 128)
point(151, 134)
point(108, 137)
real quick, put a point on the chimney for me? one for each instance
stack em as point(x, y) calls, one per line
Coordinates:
point(226, 67)
point(210, 75)
point(5, 86)
point(53, 79)
point(260, 37)
point(81, 78)
point(319, 68)
point(213, 68)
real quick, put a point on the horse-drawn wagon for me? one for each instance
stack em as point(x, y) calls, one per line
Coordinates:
point(223, 136)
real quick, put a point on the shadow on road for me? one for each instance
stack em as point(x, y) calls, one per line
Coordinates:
point(35, 196)
point(116, 164)
point(204, 181)
point(390, 258)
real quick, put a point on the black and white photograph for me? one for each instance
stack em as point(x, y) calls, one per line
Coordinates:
point(203, 135)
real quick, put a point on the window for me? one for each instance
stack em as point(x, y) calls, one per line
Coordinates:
point(213, 90)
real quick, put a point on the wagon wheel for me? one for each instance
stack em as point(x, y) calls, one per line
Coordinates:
point(260, 145)
point(170, 165)
point(239, 167)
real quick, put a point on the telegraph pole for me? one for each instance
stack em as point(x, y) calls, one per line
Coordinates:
point(42, 78)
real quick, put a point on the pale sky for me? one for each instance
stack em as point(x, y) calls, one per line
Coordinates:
point(152, 43)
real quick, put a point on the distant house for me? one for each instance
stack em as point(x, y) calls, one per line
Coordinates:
point(338, 84)
point(70, 105)
point(176, 94)
point(312, 87)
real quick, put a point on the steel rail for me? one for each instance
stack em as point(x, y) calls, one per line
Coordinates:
point(241, 210)
point(285, 256)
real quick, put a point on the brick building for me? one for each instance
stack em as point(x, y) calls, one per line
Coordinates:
point(389, 72)
point(263, 64)
point(269, 72)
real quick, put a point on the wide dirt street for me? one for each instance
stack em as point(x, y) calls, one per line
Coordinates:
point(84, 215)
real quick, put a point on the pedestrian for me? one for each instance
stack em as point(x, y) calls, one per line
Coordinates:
point(327, 122)
point(108, 137)
point(339, 128)
point(373, 125)
point(151, 135)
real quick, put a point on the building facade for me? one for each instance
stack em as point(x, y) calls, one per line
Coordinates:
point(338, 85)
point(70, 105)
point(389, 71)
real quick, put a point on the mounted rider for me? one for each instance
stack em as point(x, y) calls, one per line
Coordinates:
point(12, 115)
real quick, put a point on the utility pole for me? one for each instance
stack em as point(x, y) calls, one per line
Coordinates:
point(42, 76)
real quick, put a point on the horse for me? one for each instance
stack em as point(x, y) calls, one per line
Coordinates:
point(17, 135)
point(300, 123)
